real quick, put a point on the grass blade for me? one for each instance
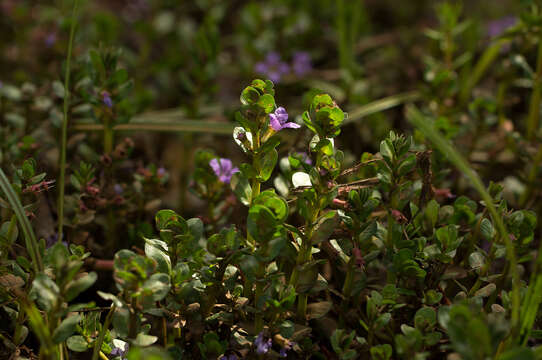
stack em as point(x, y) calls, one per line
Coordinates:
point(28, 232)
point(145, 124)
point(381, 105)
point(480, 69)
point(64, 139)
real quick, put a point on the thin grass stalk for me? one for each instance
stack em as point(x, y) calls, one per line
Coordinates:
point(380, 105)
point(98, 344)
point(424, 125)
point(533, 119)
point(480, 69)
point(30, 238)
point(64, 139)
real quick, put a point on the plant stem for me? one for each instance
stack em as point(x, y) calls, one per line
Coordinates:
point(109, 136)
point(533, 119)
point(99, 341)
point(531, 179)
point(64, 139)
point(258, 320)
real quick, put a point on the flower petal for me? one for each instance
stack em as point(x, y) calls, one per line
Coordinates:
point(274, 122)
point(214, 164)
point(291, 125)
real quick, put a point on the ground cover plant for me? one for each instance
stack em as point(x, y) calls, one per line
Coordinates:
point(263, 180)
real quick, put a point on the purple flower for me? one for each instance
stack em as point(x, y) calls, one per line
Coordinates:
point(305, 158)
point(50, 39)
point(161, 172)
point(230, 357)
point(497, 27)
point(279, 120)
point(223, 169)
point(52, 240)
point(118, 189)
point(301, 63)
point(272, 67)
point(120, 352)
point(262, 347)
point(106, 98)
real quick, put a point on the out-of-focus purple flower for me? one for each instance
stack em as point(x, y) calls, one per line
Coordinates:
point(497, 27)
point(161, 172)
point(52, 240)
point(229, 357)
point(118, 189)
point(305, 158)
point(301, 63)
point(279, 120)
point(223, 169)
point(106, 99)
point(50, 39)
point(262, 346)
point(272, 67)
point(120, 352)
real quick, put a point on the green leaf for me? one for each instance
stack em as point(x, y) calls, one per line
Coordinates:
point(386, 150)
point(381, 352)
point(157, 250)
point(425, 318)
point(407, 165)
point(76, 287)
point(77, 343)
point(519, 353)
point(158, 285)
point(267, 102)
point(318, 309)
point(45, 292)
point(273, 202)
point(241, 188)
point(144, 340)
point(487, 230)
point(325, 227)
point(266, 165)
point(148, 353)
point(66, 328)
point(261, 223)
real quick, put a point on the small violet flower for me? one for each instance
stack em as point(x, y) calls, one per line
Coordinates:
point(118, 189)
point(272, 67)
point(106, 99)
point(120, 352)
point(50, 39)
point(279, 120)
point(223, 169)
point(284, 351)
point(230, 357)
point(305, 158)
point(262, 346)
point(497, 27)
point(301, 63)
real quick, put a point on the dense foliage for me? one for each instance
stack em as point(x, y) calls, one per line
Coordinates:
point(319, 227)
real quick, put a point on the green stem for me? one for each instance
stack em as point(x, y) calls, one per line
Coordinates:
point(109, 135)
point(64, 139)
point(533, 120)
point(99, 341)
point(258, 320)
point(531, 179)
